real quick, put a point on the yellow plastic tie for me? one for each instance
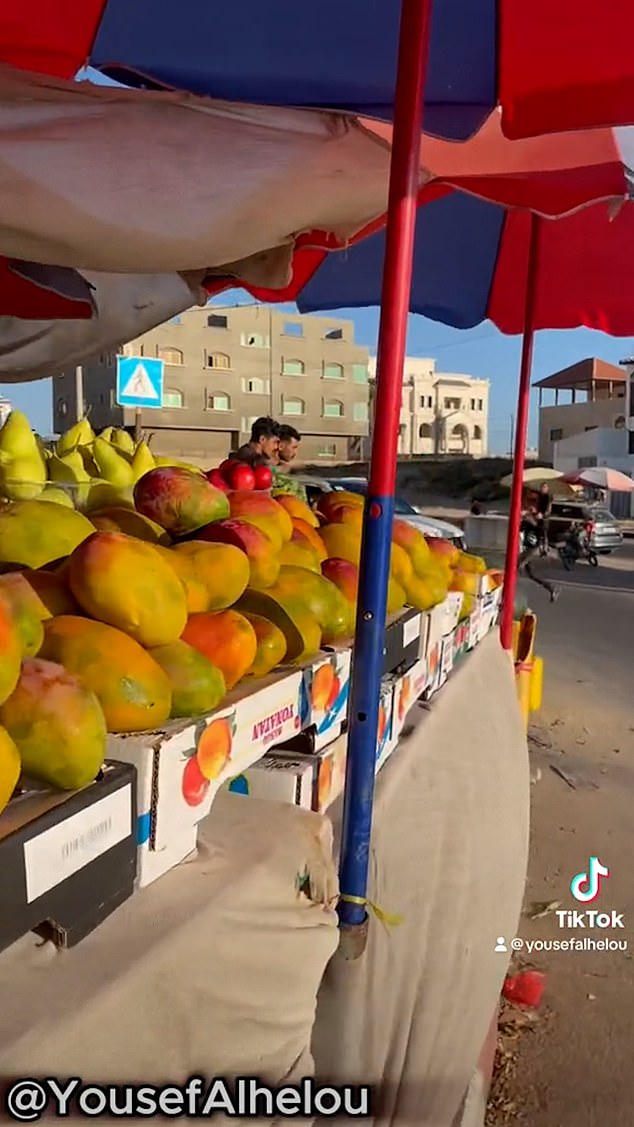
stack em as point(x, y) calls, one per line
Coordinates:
point(387, 918)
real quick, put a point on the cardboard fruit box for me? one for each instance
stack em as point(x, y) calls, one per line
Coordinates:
point(326, 690)
point(67, 859)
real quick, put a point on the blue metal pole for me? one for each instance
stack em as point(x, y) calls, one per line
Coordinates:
point(379, 509)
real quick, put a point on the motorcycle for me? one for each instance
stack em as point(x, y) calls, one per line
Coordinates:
point(576, 546)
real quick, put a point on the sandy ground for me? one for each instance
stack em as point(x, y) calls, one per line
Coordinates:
point(572, 1065)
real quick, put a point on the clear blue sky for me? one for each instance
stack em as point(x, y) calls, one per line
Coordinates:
point(478, 352)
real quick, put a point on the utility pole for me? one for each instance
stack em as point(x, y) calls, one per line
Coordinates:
point(79, 393)
point(512, 436)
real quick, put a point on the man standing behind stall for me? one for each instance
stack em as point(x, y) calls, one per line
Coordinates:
point(261, 449)
point(283, 480)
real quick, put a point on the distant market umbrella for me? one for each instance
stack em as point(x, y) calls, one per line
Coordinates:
point(601, 477)
point(533, 475)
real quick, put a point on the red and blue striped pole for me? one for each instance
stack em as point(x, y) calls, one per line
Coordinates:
point(379, 509)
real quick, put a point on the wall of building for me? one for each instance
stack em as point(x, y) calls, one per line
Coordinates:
point(566, 420)
point(224, 367)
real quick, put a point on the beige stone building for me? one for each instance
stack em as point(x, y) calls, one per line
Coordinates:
point(224, 367)
point(441, 412)
point(594, 395)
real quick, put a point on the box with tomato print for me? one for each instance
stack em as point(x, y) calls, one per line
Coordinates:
point(407, 690)
point(181, 768)
point(326, 690)
point(304, 777)
point(386, 737)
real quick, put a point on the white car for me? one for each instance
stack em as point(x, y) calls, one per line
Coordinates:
point(429, 526)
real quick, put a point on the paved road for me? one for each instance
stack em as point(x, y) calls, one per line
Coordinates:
point(575, 1068)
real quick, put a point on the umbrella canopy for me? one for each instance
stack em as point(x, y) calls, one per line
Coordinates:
point(602, 477)
point(533, 475)
point(552, 67)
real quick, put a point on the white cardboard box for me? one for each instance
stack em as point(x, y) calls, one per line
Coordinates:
point(326, 688)
point(312, 781)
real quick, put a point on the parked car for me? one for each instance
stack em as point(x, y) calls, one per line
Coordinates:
point(429, 526)
point(604, 530)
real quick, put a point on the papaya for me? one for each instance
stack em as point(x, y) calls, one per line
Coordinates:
point(299, 555)
point(196, 593)
point(25, 608)
point(10, 650)
point(10, 767)
point(296, 508)
point(272, 646)
point(227, 639)
point(133, 524)
point(303, 532)
point(300, 628)
point(321, 598)
point(57, 725)
point(261, 552)
point(197, 685)
point(33, 533)
point(127, 583)
point(222, 568)
point(132, 688)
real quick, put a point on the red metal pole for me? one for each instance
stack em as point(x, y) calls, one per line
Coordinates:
point(374, 568)
point(521, 432)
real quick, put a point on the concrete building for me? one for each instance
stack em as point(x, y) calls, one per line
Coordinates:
point(5, 409)
point(596, 399)
point(224, 367)
point(441, 412)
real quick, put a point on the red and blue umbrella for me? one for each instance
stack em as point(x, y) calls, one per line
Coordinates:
point(551, 66)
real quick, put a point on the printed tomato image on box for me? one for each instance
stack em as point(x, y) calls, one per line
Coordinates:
point(386, 740)
point(407, 691)
point(327, 687)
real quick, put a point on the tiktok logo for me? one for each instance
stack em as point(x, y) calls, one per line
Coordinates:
point(586, 886)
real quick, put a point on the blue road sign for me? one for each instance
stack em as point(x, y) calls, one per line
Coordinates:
point(139, 382)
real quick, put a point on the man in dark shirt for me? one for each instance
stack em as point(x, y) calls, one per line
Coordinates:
point(261, 448)
point(543, 505)
point(529, 529)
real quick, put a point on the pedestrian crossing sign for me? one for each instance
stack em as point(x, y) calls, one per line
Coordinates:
point(139, 382)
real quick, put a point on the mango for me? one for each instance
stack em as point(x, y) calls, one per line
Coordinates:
point(25, 608)
point(127, 583)
point(342, 542)
point(227, 639)
point(10, 767)
point(468, 562)
point(122, 519)
point(34, 533)
point(262, 554)
point(443, 550)
point(256, 507)
point(222, 568)
point(401, 567)
point(424, 593)
point(57, 725)
point(179, 500)
point(132, 689)
point(296, 508)
point(346, 514)
point(196, 593)
point(412, 541)
point(466, 581)
point(10, 650)
point(197, 685)
point(300, 628)
point(272, 646)
point(52, 592)
point(321, 598)
point(328, 502)
point(300, 555)
point(345, 576)
point(305, 533)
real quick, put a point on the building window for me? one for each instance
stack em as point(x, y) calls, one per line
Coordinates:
point(556, 433)
point(452, 404)
point(359, 373)
point(292, 406)
point(217, 321)
point(292, 329)
point(360, 412)
point(255, 340)
point(473, 404)
point(333, 334)
point(477, 433)
point(247, 422)
point(256, 386)
point(423, 400)
point(172, 397)
point(218, 401)
point(586, 462)
point(333, 372)
point(327, 450)
point(424, 431)
point(480, 405)
point(169, 355)
point(619, 422)
point(293, 367)
point(218, 360)
point(333, 409)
